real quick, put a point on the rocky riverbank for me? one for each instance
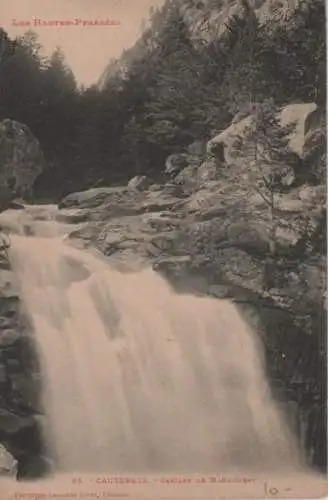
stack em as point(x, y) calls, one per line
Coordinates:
point(20, 381)
point(21, 161)
point(209, 233)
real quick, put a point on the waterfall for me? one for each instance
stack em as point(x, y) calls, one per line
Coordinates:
point(138, 378)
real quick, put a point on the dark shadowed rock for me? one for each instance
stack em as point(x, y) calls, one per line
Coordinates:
point(20, 432)
point(21, 158)
point(8, 337)
point(6, 197)
point(8, 286)
point(91, 198)
point(175, 163)
point(7, 463)
point(11, 423)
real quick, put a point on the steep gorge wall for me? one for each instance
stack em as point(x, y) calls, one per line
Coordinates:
point(20, 380)
point(206, 21)
point(21, 161)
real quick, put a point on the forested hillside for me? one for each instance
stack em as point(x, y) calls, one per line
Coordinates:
point(195, 66)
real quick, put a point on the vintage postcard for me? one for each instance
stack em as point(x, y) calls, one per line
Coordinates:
point(163, 249)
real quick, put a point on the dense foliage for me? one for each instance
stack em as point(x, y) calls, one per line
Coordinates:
point(172, 92)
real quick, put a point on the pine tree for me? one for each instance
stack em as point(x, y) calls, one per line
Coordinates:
point(59, 77)
point(21, 79)
point(7, 48)
point(178, 71)
point(298, 49)
point(267, 159)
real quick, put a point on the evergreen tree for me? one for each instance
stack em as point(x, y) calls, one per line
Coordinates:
point(170, 119)
point(21, 80)
point(60, 78)
point(298, 49)
point(267, 158)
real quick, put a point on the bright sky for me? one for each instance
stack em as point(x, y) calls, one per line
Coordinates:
point(88, 49)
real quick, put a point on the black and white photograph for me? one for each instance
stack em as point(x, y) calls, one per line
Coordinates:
point(163, 249)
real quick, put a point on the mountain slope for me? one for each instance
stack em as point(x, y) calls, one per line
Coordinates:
point(206, 21)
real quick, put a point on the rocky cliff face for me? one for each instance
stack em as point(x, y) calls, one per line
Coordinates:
point(20, 382)
point(21, 158)
point(209, 234)
point(206, 21)
point(21, 161)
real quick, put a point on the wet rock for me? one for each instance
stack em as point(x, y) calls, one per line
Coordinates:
point(73, 216)
point(112, 242)
point(74, 270)
point(139, 182)
point(26, 445)
point(8, 287)
point(20, 383)
point(92, 198)
point(4, 263)
point(12, 423)
point(6, 197)
point(239, 268)
point(4, 242)
point(174, 268)
point(158, 201)
point(17, 205)
point(32, 467)
point(7, 463)
point(8, 337)
point(161, 221)
point(8, 322)
point(88, 232)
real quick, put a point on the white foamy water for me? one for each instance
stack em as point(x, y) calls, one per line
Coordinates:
point(140, 379)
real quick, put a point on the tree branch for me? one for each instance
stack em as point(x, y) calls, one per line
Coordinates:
point(267, 200)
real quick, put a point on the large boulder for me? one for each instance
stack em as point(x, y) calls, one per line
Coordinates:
point(8, 287)
point(21, 158)
point(194, 177)
point(139, 182)
point(91, 198)
point(315, 146)
point(222, 146)
point(185, 162)
point(187, 179)
point(100, 204)
point(6, 197)
point(175, 163)
point(301, 115)
point(7, 463)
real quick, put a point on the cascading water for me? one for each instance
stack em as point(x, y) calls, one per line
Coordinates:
point(138, 378)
